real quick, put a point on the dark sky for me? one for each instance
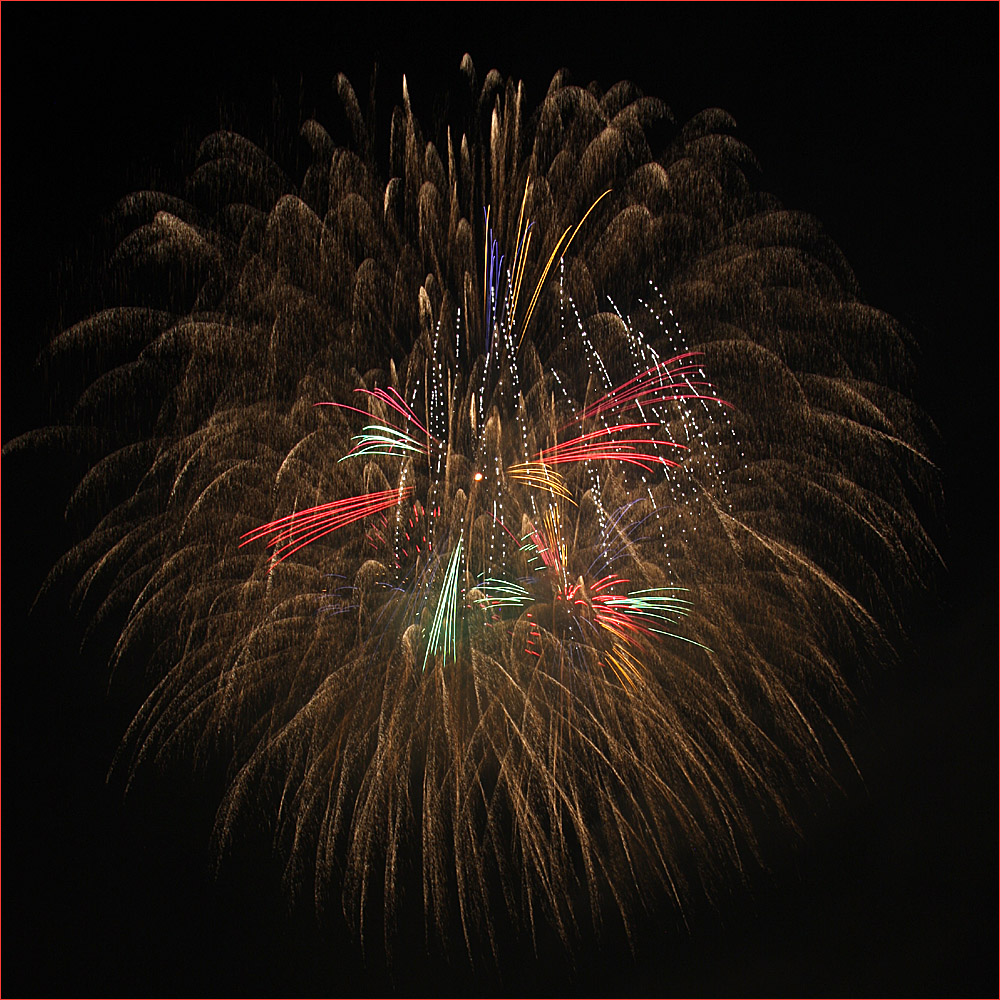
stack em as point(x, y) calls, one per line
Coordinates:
point(878, 119)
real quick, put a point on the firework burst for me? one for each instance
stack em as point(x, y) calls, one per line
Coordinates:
point(442, 534)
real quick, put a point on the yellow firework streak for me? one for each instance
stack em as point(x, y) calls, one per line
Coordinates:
point(557, 543)
point(523, 252)
point(624, 664)
point(559, 250)
point(540, 475)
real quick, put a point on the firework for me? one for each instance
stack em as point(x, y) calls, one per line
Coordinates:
point(514, 527)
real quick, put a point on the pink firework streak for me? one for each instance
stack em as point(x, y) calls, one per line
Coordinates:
point(392, 399)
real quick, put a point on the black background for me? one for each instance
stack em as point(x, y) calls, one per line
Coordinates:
point(880, 120)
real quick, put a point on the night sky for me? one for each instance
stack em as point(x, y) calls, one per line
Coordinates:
point(879, 120)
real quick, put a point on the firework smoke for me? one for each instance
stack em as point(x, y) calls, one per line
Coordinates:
point(560, 599)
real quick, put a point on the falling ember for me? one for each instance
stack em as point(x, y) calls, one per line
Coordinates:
point(444, 539)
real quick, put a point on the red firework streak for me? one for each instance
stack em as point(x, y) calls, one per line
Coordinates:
point(604, 444)
point(659, 384)
point(532, 635)
point(297, 530)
